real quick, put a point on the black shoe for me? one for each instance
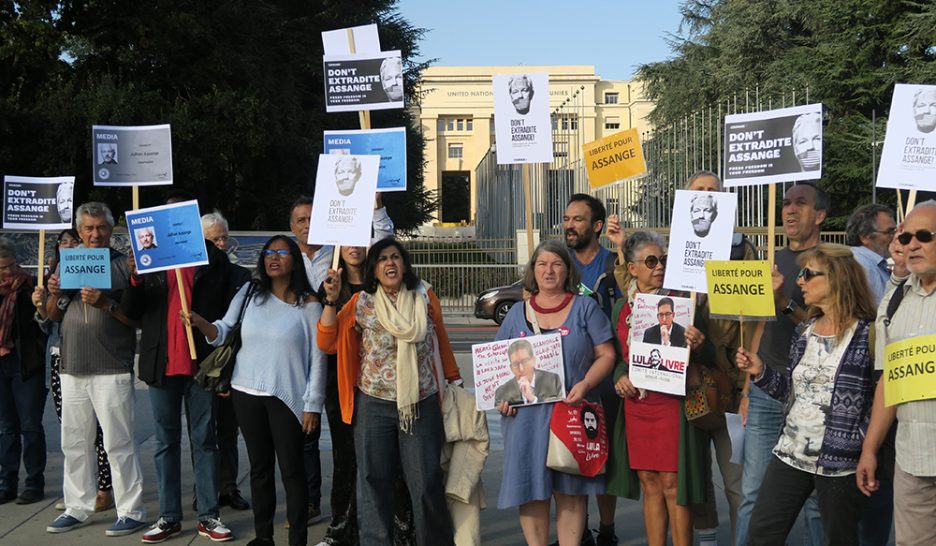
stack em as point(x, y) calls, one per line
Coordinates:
point(605, 539)
point(261, 542)
point(234, 500)
point(30, 496)
point(6, 496)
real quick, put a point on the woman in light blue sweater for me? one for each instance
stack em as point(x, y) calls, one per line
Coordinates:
point(278, 384)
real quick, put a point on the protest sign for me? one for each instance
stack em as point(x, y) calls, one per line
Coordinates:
point(389, 144)
point(614, 158)
point(38, 203)
point(343, 205)
point(908, 159)
point(131, 156)
point(578, 439)
point(372, 81)
point(85, 267)
point(658, 351)
point(522, 124)
point(910, 370)
point(366, 40)
point(701, 230)
point(167, 237)
point(740, 289)
point(782, 145)
point(521, 371)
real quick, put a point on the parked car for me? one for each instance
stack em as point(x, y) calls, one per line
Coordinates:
point(494, 303)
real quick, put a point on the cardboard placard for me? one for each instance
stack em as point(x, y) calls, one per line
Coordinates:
point(506, 371)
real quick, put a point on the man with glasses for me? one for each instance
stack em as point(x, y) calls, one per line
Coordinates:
point(667, 332)
point(914, 283)
point(869, 231)
point(805, 207)
point(529, 385)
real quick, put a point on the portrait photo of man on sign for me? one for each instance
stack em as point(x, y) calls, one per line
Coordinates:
point(667, 332)
point(146, 238)
point(703, 210)
point(521, 93)
point(924, 110)
point(107, 153)
point(528, 385)
point(347, 174)
point(807, 141)
point(391, 78)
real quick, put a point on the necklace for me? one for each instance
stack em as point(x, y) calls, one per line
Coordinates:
point(548, 310)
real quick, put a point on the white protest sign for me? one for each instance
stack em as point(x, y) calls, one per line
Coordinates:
point(783, 145)
point(701, 230)
point(366, 40)
point(38, 203)
point(520, 371)
point(131, 156)
point(658, 351)
point(343, 205)
point(908, 159)
point(521, 118)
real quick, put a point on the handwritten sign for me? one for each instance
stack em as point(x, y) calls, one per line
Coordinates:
point(910, 370)
point(85, 267)
point(614, 158)
point(740, 289)
point(167, 237)
point(507, 371)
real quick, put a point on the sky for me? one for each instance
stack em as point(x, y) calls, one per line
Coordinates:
point(615, 36)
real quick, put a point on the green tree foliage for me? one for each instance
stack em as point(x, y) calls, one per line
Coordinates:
point(239, 80)
point(848, 53)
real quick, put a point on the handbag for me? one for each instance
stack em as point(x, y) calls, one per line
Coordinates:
point(215, 371)
point(708, 396)
point(578, 439)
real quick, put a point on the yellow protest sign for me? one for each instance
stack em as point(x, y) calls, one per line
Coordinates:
point(740, 288)
point(910, 370)
point(614, 158)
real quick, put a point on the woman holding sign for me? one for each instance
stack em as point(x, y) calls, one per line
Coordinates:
point(587, 358)
point(393, 353)
point(658, 453)
point(278, 383)
point(828, 388)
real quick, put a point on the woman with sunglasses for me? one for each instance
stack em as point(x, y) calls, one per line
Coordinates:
point(658, 453)
point(587, 359)
point(278, 383)
point(828, 388)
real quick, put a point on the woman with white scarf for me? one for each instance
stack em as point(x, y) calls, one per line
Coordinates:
point(393, 356)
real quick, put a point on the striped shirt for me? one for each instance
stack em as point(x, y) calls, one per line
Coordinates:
point(916, 428)
point(93, 341)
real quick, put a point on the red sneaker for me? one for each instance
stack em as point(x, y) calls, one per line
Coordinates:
point(161, 531)
point(214, 529)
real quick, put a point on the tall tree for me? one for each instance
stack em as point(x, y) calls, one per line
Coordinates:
point(240, 81)
point(847, 53)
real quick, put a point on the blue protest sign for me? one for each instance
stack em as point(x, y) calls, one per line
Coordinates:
point(167, 237)
point(389, 144)
point(85, 267)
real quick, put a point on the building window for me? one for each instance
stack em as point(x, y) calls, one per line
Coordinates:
point(560, 149)
point(611, 98)
point(451, 124)
point(612, 122)
point(456, 151)
point(568, 122)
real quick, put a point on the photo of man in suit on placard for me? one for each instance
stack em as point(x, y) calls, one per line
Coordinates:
point(667, 332)
point(529, 385)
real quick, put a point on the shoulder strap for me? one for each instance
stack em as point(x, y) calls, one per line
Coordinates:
point(531, 318)
point(894, 302)
point(243, 309)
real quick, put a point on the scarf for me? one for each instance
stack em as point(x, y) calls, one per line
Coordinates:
point(8, 289)
point(407, 321)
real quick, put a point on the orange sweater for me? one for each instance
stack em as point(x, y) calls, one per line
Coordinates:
point(344, 339)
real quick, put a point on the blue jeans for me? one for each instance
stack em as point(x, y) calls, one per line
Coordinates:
point(381, 448)
point(167, 401)
point(21, 406)
point(765, 420)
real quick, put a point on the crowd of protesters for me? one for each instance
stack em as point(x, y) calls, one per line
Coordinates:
point(366, 342)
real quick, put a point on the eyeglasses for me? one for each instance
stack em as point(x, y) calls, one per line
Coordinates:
point(524, 362)
point(220, 239)
point(652, 261)
point(808, 274)
point(923, 235)
point(282, 253)
point(665, 315)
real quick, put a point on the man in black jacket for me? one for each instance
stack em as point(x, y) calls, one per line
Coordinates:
point(167, 367)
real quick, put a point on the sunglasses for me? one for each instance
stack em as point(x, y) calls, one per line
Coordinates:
point(808, 274)
point(924, 236)
point(282, 253)
point(652, 261)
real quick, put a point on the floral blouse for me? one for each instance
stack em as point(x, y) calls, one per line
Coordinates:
point(379, 354)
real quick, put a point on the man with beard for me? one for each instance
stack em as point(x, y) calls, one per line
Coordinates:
point(924, 110)
point(521, 93)
point(703, 209)
point(807, 141)
point(391, 78)
point(582, 223)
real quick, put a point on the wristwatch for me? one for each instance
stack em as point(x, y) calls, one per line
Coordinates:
point(790, 308)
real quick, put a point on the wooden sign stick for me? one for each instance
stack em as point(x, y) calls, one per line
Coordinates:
point(185, 309)
point(40, 274)
point(528, 205)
